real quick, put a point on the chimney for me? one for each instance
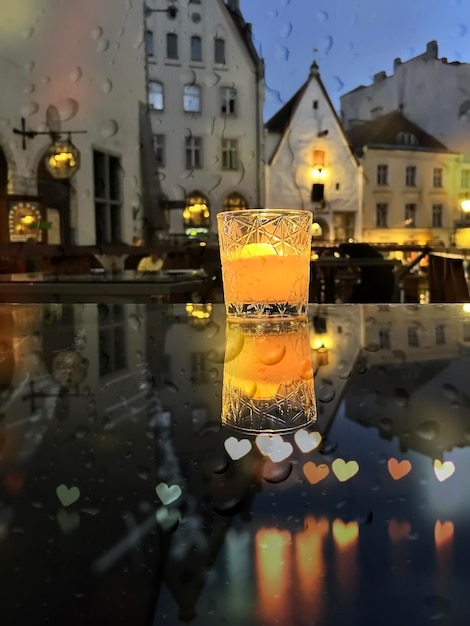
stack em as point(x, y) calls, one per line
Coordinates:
point(432, 50)
point(396, 63)
point(233, 5)
point(380, 76)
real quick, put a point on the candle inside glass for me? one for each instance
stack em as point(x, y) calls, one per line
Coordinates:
point(265, 258)
point(268, 377)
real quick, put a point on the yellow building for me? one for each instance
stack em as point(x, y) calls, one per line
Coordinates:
point(411, 183)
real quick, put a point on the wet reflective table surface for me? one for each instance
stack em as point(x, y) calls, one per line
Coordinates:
point(125, 501)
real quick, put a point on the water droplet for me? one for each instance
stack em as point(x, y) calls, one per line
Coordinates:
point(322, 16)
point(325, 392)
point(338, 83)
point(211, 330)
point(106, 86)
point(282, 53)
point(26, 34)
point(361, 365)
point(276, 472)
point(46, 80)
point(143, 472)
point(450, 391)
point(86, 193)
point(109, 129)
point(29, 88)
point(372, 347)
point(401, 397)
point(29, 109)
point(96, 33)
point(28, 67)
point(171, 386)
point(75, 74)
point(135, 322)
point(428, 430)
point(81, 432)
point(386, 425)
point(325, 44)
point(67, 108)
point(212, 79)
point(286, 30)
point(102, 45)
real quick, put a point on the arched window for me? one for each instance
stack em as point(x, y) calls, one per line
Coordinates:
point(156, 99)
point(235, 202)
point(192, 99)
point(196, 49)
point(219, 50)
point(56, 194)
point(171, 46)
point(196, 215)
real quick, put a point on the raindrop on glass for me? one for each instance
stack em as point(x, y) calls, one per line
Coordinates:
point(109, 128)
point(75, 74)
point(96, 33)
point(29, 109)
point(106, 86)
point(67, 108)
point(102, 45)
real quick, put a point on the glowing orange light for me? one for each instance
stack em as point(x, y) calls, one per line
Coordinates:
point(273, 569)
point(443, 532)
point(315, 473)
point(398, 469)
point(398, 531)
point(310, 565)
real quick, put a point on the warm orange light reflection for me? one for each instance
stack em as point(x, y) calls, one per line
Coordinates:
point(273, 574)
point(398, 531)
point(398, 469)
point(443, 538)
point(311, 567)
point(345, 534)
point(346, 538)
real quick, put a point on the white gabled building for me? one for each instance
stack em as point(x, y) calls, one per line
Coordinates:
point(310, 164)
point(206, 94)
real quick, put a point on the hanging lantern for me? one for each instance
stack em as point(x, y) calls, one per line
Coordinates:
point(62, 159)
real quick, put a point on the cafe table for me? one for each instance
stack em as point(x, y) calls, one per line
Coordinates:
point(124, 500)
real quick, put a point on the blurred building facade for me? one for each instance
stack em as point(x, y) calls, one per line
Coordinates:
point(205, 94)
point(63, 68)
point(410, 182)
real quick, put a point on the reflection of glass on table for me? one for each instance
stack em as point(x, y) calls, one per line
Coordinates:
point(265, 256)
point(268, 377)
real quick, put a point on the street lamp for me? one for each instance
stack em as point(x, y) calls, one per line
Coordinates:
point(62, 159)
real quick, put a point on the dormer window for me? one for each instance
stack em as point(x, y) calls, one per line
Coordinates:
point(407, 139)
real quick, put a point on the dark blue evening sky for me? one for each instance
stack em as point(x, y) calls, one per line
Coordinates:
point(354, 39)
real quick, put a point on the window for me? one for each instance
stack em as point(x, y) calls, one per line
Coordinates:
point(407, 139)
point(315, 104)
point(440, 334)
point(381, 215)
point(159, 147)
point(410, 176)
point(196, 49)
point(437, 216)
point(382, 174)
point(107, 194)
point(384, 339)
point(410, 215)
point(192, 99)
point(149, 47)
point(465, 179)
point(228, 101)
point(437, 177)
point(111, 338)
point(413, 337)
point(193, 153)
point(194, 1)
point(234, 202)
point(156, 100)
point(229, 154)
point(171, 46)
point(196, 214)
point(219, 50)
